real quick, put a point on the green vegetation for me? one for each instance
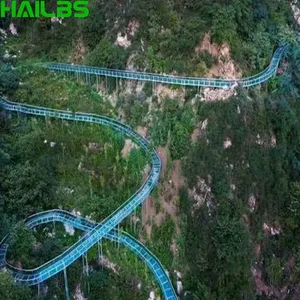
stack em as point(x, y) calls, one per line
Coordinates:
point(39, 87)
point(255, 166)
point(161, 241)
point(49, 163)
point(103, 282)
point(167, 35)
point(10, 291)
point(9, 80)
point(107, 55)
point(173, 124)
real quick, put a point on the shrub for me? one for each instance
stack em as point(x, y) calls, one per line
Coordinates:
point(9, 80)
point(107, 55)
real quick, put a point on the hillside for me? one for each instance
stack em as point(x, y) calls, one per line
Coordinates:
point(224, 218)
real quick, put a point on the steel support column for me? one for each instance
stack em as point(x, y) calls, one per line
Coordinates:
point(66, 285)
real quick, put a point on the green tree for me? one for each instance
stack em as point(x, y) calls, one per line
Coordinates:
point(106, 54)
point(224, 26)
point(22, 243)
point(293, 218)
point(9, 80)
point(93, 27)
point(179, 141)
point(10, 291)
point(25, 189)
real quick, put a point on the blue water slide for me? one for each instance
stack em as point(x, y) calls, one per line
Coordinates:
point(259, 78)
point(94, 231)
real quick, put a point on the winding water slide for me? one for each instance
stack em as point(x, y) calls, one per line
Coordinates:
point(94, 232)
point(30, 277)
point(177, 80)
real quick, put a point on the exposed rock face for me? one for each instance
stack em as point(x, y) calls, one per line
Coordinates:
point(108, 264)
point(79, 52)
point(206, 45)
point(69, 229)
point(130, 62)
point(273, 140)
point(227, 143)
point(168, 198)
point(152, 296)
point(271, 291)
point(201, 193)
point(94, 147)
point(296, 11)
point(56, 20)
point(259, 141)
point(142, 131)
point(163, 91)
point(271, 230)
point(78, 294)
point(179, 287)
point(225, 68)
point(124, 39)
point(251, 203)
point(199, 130)
point(133, 26)
point(204, 124)
point(13, 29)
point(210, 94)
point(129, 145)
point(262, 288)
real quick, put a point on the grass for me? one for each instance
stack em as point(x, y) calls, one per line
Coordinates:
point(42, 87)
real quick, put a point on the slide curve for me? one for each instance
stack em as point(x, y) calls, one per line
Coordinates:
point(94, 231)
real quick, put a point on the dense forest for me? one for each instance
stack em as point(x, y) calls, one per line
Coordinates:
point(224, 219)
